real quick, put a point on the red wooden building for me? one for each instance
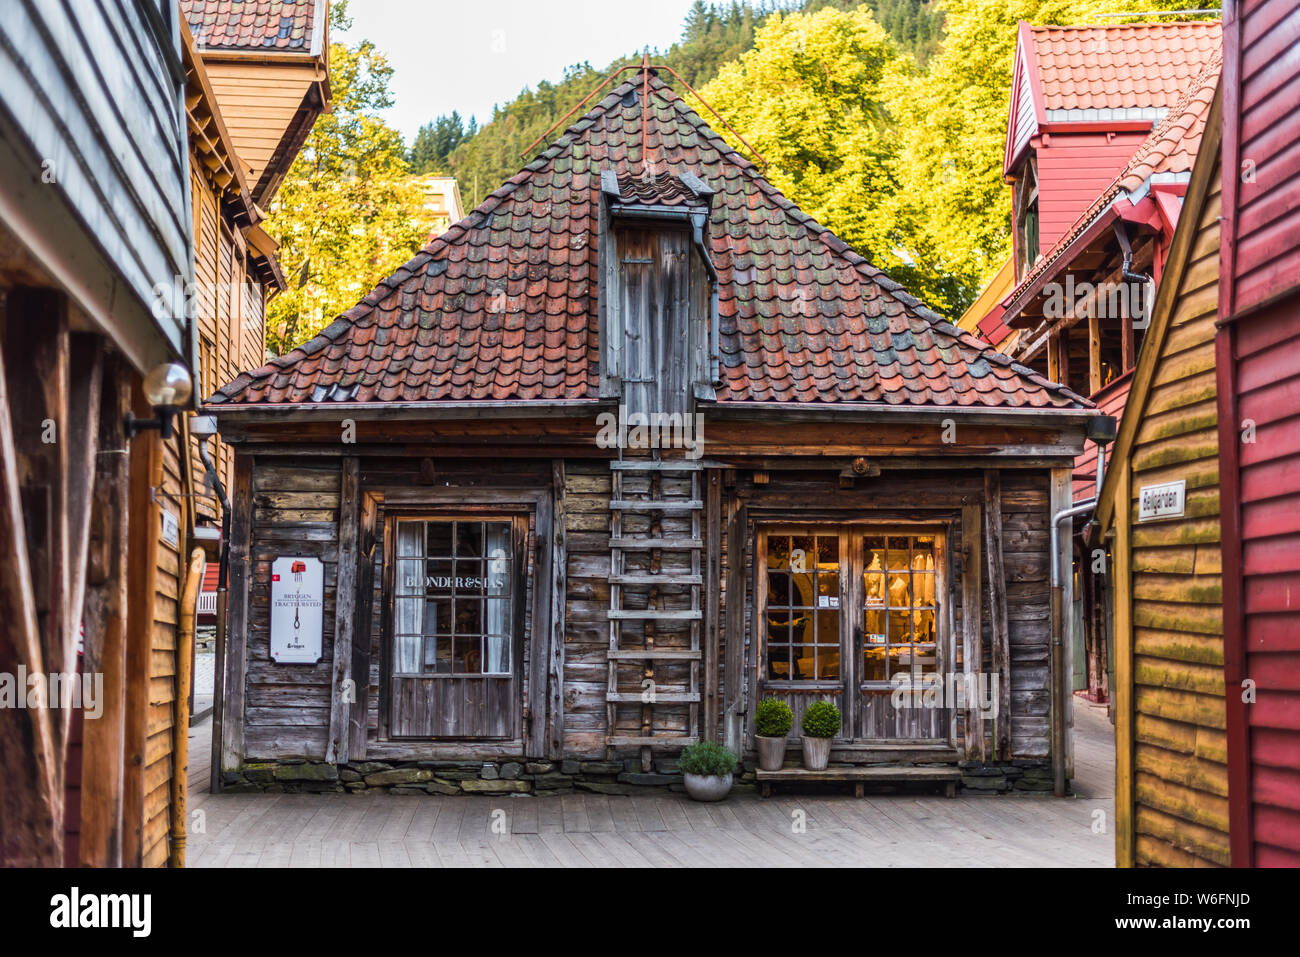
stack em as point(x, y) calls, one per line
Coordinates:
point(1258, 372)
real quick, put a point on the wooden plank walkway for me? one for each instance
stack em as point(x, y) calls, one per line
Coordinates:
point(590, 830)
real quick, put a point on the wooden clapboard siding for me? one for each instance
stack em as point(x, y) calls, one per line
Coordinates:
point(90, 117)
point(258, 103)
point(1172, 781)
point(1259, 391)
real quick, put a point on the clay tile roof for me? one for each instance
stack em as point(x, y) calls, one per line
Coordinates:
point(659, 188)
point(503, 306)
point(254, 25)
point(1170, 148)
point(1136, 65)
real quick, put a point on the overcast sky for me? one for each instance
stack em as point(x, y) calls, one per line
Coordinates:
point(468, 55)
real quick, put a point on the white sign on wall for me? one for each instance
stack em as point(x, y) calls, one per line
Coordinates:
point(1162, 501)
point(297, 609)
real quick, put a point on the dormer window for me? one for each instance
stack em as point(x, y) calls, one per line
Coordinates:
point(657, 290)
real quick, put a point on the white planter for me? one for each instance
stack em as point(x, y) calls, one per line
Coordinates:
point(816, 753)
point(708, 787)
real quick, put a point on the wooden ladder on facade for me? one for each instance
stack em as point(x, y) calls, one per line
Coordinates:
point(654, 542)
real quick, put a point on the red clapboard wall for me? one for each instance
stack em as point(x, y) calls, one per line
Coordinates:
point(1258, 370)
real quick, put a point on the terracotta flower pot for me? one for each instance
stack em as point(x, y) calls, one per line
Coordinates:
point(816, 753)
point(771, 752)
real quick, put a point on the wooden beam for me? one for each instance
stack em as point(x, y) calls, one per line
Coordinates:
point(343, 692)
point(1128, 347)
point(971, 640)
point(1054, 356)
point(1061, 497)
point(1123, 690)
point(239, 580)
point(1063, 359)
point(998, 612)
point(104, 615)
point(733, 674)
point(558, 594)
point(367, 539)
point(1094, 354)
point(143, 524)
point(30, 825)
point(712, 598)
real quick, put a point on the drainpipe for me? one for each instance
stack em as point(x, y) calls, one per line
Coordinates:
point(181, 704)
point(1101, 430)
point(697, 224)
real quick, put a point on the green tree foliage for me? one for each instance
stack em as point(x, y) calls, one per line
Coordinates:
point(810, 97)
point(347, 213)
point(953, 205)
point(434, 142)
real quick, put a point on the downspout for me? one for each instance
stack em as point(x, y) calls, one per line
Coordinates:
point(1101, 429)
point(181, 704)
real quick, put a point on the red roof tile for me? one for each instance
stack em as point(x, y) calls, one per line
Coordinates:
point(1171, 148)
point(503, 305)
point(284, 25)
point(1136, 65)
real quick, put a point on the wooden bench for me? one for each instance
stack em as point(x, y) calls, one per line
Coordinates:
point(860, 776)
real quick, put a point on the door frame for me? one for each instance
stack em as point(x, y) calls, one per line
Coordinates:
point(543, 554)
point(851, 533)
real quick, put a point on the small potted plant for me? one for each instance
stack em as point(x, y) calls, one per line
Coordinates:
point(708, 769)
point(821, 722)
point(772, 722)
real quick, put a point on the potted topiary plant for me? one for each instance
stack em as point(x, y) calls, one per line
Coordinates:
point(772, 722)
point(708, 769)
point(821, 722)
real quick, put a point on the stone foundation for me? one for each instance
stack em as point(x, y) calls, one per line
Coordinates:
point(549, 777)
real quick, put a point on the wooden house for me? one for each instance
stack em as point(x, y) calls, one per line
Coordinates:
point(95, 254)
point(268, 64)
point(1118, 114)
point(633, 446)
point(1202, 497)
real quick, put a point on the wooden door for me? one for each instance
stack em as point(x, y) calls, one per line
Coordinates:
point(654, 266)
point(803, 582)
point(847, 613)
point(454, 588)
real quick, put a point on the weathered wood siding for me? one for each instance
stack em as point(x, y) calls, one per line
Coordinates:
point(1177, 746)
point(259, 102)
point(93, 95)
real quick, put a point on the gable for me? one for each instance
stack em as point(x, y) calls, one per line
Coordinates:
point(1173, 392)
point(504, 306)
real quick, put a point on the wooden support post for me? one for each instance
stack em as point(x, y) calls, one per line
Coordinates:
point(559, 587)
point(239, 580)
point(1063, 356)
point(1121, 576)
point(1094, 355)
point(1128, 346)
point(733, 704)
point(1060, 498)
point(343, 692)
point(1053, 357)
point(144, 523)
point(367, 540)
point(998, 612)
point(712, 598)
point(971, 639)
point(105, 621)
point(30, 827)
